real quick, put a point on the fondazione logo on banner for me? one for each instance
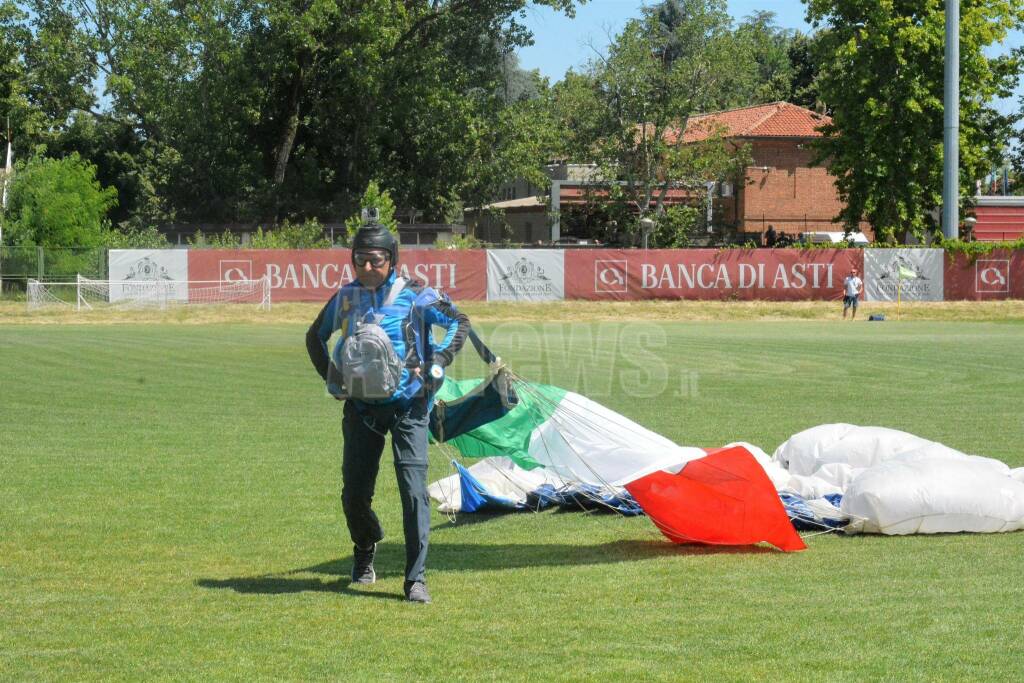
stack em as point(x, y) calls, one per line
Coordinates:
point(992, 276)
point(889, 279)
point(524, 277)
point(147, 270)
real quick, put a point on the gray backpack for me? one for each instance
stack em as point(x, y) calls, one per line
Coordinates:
point(370, 368)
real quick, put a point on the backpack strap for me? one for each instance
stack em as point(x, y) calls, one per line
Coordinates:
point(396, 289)
point(387, 307)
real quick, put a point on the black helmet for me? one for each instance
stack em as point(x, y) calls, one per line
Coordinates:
point(376, 237)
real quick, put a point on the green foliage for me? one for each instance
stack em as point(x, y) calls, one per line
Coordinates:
point(975, 249)
point(768, 46)
point(627, 112)
point(674, 227)
point(224, 240)
point(307, 235)
point(57, 203)
point(241, 111)
point(803, 55)
point(524, 135)
point(881, 72)
point(374, 196)
point(130, 237)
point(465, 242)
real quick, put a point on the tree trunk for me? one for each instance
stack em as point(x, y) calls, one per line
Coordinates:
point(291, 124)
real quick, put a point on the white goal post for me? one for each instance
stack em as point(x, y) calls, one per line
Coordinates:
point(85, 294)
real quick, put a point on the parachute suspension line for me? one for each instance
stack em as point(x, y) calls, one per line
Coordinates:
point(563, 415)
point(829, 530)
point(541, 398)
point(453, 455)
point(445, 493)
point(524, 385)
point(583, 492)
point(593, 425)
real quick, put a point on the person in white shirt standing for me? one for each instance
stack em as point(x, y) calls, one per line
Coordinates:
point(852, 288)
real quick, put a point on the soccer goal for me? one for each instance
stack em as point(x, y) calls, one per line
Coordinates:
point(85, 294)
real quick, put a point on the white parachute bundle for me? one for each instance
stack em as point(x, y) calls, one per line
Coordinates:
point(919, 493)
point(893, 482)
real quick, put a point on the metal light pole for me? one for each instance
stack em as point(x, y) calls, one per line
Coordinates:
point(646, 226)
point(951, 128)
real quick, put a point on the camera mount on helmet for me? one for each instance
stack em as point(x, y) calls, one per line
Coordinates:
point(375, 236)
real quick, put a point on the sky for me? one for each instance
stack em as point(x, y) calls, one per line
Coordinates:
point(561, 43)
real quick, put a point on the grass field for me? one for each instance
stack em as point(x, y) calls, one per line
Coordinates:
point(170, 511)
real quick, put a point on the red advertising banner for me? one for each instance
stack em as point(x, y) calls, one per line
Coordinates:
point(997, 275)
point(314, 274)
point(747, 274)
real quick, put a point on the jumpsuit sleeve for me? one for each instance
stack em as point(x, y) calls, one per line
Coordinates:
point(444, 314)
point(318, 334)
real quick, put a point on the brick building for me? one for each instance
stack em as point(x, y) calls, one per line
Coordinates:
point(781, 187)
point(998, 218)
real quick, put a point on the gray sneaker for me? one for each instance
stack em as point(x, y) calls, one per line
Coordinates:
point(362, 566)
point(416, 591)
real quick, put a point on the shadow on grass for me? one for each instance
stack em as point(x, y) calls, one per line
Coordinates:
point(270, 584)
point(454, 557)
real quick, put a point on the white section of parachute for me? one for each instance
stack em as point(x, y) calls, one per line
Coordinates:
point(896, 483)
point(585, 442)
point(500, 476)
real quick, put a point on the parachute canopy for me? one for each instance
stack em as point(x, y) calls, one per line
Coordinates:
point(691, 496)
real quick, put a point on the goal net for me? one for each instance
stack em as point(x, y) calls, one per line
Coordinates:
point(85, 294)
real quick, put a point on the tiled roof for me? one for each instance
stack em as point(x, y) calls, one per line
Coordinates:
point(778, 119)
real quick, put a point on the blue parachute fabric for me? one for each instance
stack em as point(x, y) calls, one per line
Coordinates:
point(575, 497)
point(473, 410)
point(834, 498)
point(804, 518)
point(476, 497)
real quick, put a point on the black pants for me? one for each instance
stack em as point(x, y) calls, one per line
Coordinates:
point(364, 428)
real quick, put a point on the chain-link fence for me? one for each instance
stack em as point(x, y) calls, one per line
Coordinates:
point(18, 265)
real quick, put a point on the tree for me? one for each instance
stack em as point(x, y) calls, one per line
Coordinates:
point(881, 73)
point(257, 110)
point(629, 111)
point(768, 46)
point(803, 61)
point(374, 198)
point(58, 203)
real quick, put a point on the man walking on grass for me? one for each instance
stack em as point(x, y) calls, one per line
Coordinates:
point(385, 367)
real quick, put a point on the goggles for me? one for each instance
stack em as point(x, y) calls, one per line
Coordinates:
point(374, 258)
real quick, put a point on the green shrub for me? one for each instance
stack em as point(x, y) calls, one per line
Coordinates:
point(307, 235)
point(374, 197)
point(58, 203)
point(129, 237)
point(674, 226)
point(465, 242)
point(225, 240)
point(975, 249)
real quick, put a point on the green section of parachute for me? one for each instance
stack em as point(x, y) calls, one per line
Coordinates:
point(508, 435)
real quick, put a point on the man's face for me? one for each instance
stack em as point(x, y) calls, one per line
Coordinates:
point(853, 273)
point(372, 267)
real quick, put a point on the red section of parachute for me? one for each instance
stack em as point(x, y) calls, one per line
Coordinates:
point(724, 498)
